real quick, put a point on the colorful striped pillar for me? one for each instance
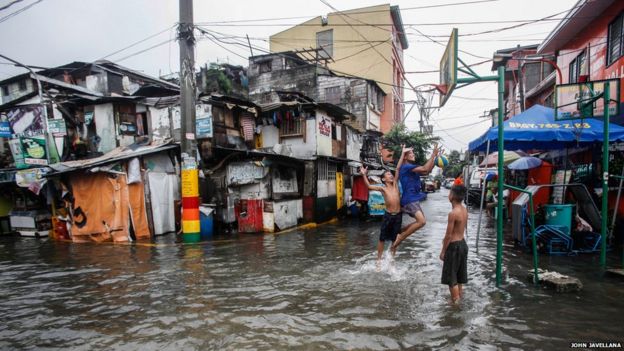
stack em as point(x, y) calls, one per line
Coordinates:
point(190, 204)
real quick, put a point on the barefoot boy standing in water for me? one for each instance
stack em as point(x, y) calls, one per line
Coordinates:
point(391, 225)
point(454, 249)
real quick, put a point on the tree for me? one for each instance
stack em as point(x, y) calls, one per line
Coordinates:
point(400, 135)
point(455, 165)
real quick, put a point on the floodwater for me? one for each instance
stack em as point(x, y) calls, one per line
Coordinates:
point(316, 289)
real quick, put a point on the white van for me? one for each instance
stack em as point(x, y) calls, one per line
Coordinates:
point(474, 184)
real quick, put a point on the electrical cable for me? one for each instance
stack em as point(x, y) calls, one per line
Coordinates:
point(340, 73)
point(144, 50)
point(10, 4)
point(13, 14)
point(355, 13)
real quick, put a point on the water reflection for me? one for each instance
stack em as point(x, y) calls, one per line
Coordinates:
point(314, 289)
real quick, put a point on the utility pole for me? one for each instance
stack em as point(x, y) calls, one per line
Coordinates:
point(189, 172)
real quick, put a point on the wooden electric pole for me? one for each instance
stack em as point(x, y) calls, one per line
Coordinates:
point(189, 172)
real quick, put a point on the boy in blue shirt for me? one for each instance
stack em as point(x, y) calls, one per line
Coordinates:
point(409, 175)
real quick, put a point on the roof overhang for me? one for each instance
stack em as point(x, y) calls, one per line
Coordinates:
point(541, 86)
point(576, 20)
point(501, 57)
point(395, 12)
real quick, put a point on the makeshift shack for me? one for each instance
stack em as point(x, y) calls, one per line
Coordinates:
point(126, 194)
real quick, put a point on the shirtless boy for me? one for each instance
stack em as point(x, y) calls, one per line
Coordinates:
point(391, 225)
point(454, 249)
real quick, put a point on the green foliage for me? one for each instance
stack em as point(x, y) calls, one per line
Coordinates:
point(455, 165)
point(216, 80)
point(400, 135)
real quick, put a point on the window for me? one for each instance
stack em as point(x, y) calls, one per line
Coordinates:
point(128, 123)
point(322, 169)
point(376, 98)
point(5, 90)
point(614, 41)
point(22, 85)
point(331, 171)
point(292, 127)
point(265, 66)
point(578, 68)
point(332, 95)
point(325, 40)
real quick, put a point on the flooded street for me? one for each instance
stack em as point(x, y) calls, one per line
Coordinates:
point(304, 290)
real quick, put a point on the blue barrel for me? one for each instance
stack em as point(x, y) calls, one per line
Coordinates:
point(206, 222)
point(560, 215)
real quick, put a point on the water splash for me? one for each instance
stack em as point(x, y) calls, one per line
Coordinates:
point(388, 268)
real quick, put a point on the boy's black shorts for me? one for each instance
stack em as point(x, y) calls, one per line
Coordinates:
point(390, 227)
point(455, 269)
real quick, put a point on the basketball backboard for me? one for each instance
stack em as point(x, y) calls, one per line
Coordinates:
point(578, 100)
point(448, 69)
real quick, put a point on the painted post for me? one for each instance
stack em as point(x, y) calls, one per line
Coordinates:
point(189, 174)
point(501, 176)
point(190, 204)
point(605, 177)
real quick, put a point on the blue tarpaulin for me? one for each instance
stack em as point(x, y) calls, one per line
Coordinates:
point(536, 128)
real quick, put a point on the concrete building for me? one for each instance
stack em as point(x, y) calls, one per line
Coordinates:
point(273, 74)
point(588, 45)
point(366, 42)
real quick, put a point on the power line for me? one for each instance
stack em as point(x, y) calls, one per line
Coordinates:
point(354, 12)
point(402, 71)
point(10, 4)
point(224, 24)
point(344, 74)
point(437, 70)
point(446, 5)
point(463, 126)
point(144, 50)
point(206, 35)
point(138, 42)
point(442, 44)
point(13, 14)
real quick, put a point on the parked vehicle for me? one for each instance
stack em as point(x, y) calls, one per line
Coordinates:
point(474, 184)
point(448, 182)
point(430, 185)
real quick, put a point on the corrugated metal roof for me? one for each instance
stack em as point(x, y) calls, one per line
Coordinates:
point(118, 154)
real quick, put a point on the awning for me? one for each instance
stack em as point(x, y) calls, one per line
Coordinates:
point(536, 128)
point(118, 154)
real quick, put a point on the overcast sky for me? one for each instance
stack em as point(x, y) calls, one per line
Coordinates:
point(55, 32)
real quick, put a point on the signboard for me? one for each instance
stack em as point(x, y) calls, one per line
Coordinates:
point(18, 153)
point(325, 126)
point(190, 186)
point(573, 101)
point(448, 68)
point(5, 130)
point(26, 120)
point(34, 149)
point(88, 117)
point(203, 127)
point(57, 127)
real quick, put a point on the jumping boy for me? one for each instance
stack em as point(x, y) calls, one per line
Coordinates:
point(454, 249)
point(409, 176)
point(391, 225)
